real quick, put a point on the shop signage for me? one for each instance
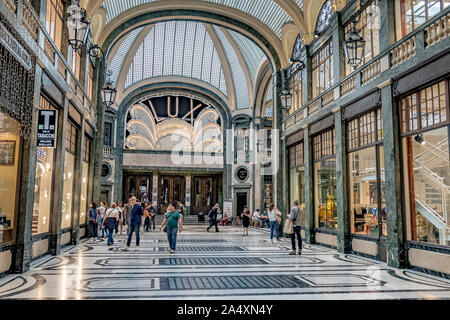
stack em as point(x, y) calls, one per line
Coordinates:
point(242, 174)
point(46, 133)
point(15, 48)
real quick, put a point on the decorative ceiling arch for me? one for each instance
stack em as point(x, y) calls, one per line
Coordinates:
point(208, 12)
point(219, 57)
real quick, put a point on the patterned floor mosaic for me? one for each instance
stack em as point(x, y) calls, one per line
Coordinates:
point(213, 265)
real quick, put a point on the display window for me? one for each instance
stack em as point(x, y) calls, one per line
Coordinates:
point(322, 69)
point(366, 175)
point(68, 177)
point(43, 184)
point(325, 209)
point(426, 164)
point(85, 181)
point(10, 159)
point(297, 176)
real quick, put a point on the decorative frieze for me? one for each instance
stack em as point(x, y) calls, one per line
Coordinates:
point(371, 72)
point(30, 22)
point(348, 86)
point(404, 51)
point(437, 31)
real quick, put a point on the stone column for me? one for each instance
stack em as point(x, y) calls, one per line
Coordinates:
point(78, 177)
point(98, 141)
point(23, 252)
point(309, 188)
point(396, 242)
point(343, 235)
point(55, 218)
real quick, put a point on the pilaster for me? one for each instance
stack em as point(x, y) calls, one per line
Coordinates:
point(343, 235)
point(78, 177)
point(309, 188)
point(396, 243)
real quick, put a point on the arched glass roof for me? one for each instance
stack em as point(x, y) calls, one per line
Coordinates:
point(186, 50)
point(189, 49)
point(267, 11)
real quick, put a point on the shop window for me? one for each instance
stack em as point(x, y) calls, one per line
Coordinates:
point(297, 92)
point(54, 21)
point(369, 32)
point(75, 63)
point(10, 158)
point(68, 176)
point(107, 135)
point(85, 181)
point(414, 12)
point(297, 176)
point(43, 185)
point(366, 175)
point(325, 180)
point(426, 166)
point(322, 69)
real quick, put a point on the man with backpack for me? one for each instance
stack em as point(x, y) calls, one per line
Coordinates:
point(213, 213)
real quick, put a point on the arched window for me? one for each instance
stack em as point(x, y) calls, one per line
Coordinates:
point(323, 20)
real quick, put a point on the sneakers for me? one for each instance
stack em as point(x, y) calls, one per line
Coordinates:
point(171, 251)
point(124, 249)
point(278, 242)
point(271, 240)
point(299, 252)
point(292, 253)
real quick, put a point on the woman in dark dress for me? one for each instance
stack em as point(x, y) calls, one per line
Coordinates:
point(246, 217)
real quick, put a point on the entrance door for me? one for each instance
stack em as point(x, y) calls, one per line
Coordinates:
point(171, 190)
point(205, 194)
point(241, 202)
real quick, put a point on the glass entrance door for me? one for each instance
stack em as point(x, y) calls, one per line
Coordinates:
point(171, 190)
point(205, 194)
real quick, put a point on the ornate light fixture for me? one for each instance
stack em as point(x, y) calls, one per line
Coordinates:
point(287, 77)
point(96, 52)
point(355, 44)
point(77, 25)
point(109, 91)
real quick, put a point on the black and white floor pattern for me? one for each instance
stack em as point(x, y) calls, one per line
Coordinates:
point(213, 265)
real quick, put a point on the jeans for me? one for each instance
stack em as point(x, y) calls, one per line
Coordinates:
point(212, 222)
point(172, 237)
point(93, 229)
point(110, 235)
point(274, 225)
point(296, 231)
point(133, 228)
point(152, 222)
point(146, 223)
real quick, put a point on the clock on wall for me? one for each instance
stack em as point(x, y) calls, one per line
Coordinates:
point(324, 17)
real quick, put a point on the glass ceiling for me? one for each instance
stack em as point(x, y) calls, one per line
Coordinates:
point(267, 11)
point(186, 49)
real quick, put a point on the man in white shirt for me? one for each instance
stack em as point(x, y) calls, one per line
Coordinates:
point(296, 218)
point(256, 218)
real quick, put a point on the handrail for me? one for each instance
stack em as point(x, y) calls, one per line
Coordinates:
point(383, 53)
point(55, 48)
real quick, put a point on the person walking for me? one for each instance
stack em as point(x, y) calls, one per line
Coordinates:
point(146, 217)
point(152, 214)
point(213, 213)
point(121, 209)
point(172, 221)
point(102, 210)
point(135, 219)
point(246, 217)
point(273, 220)
point(110, 222)
point(296, 215)
point(93, 218)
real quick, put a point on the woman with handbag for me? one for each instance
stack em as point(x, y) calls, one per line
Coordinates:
point(275, 220)
point(110, 221)
point(172, 224)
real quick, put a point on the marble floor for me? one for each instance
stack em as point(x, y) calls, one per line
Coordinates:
point(223, 266)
